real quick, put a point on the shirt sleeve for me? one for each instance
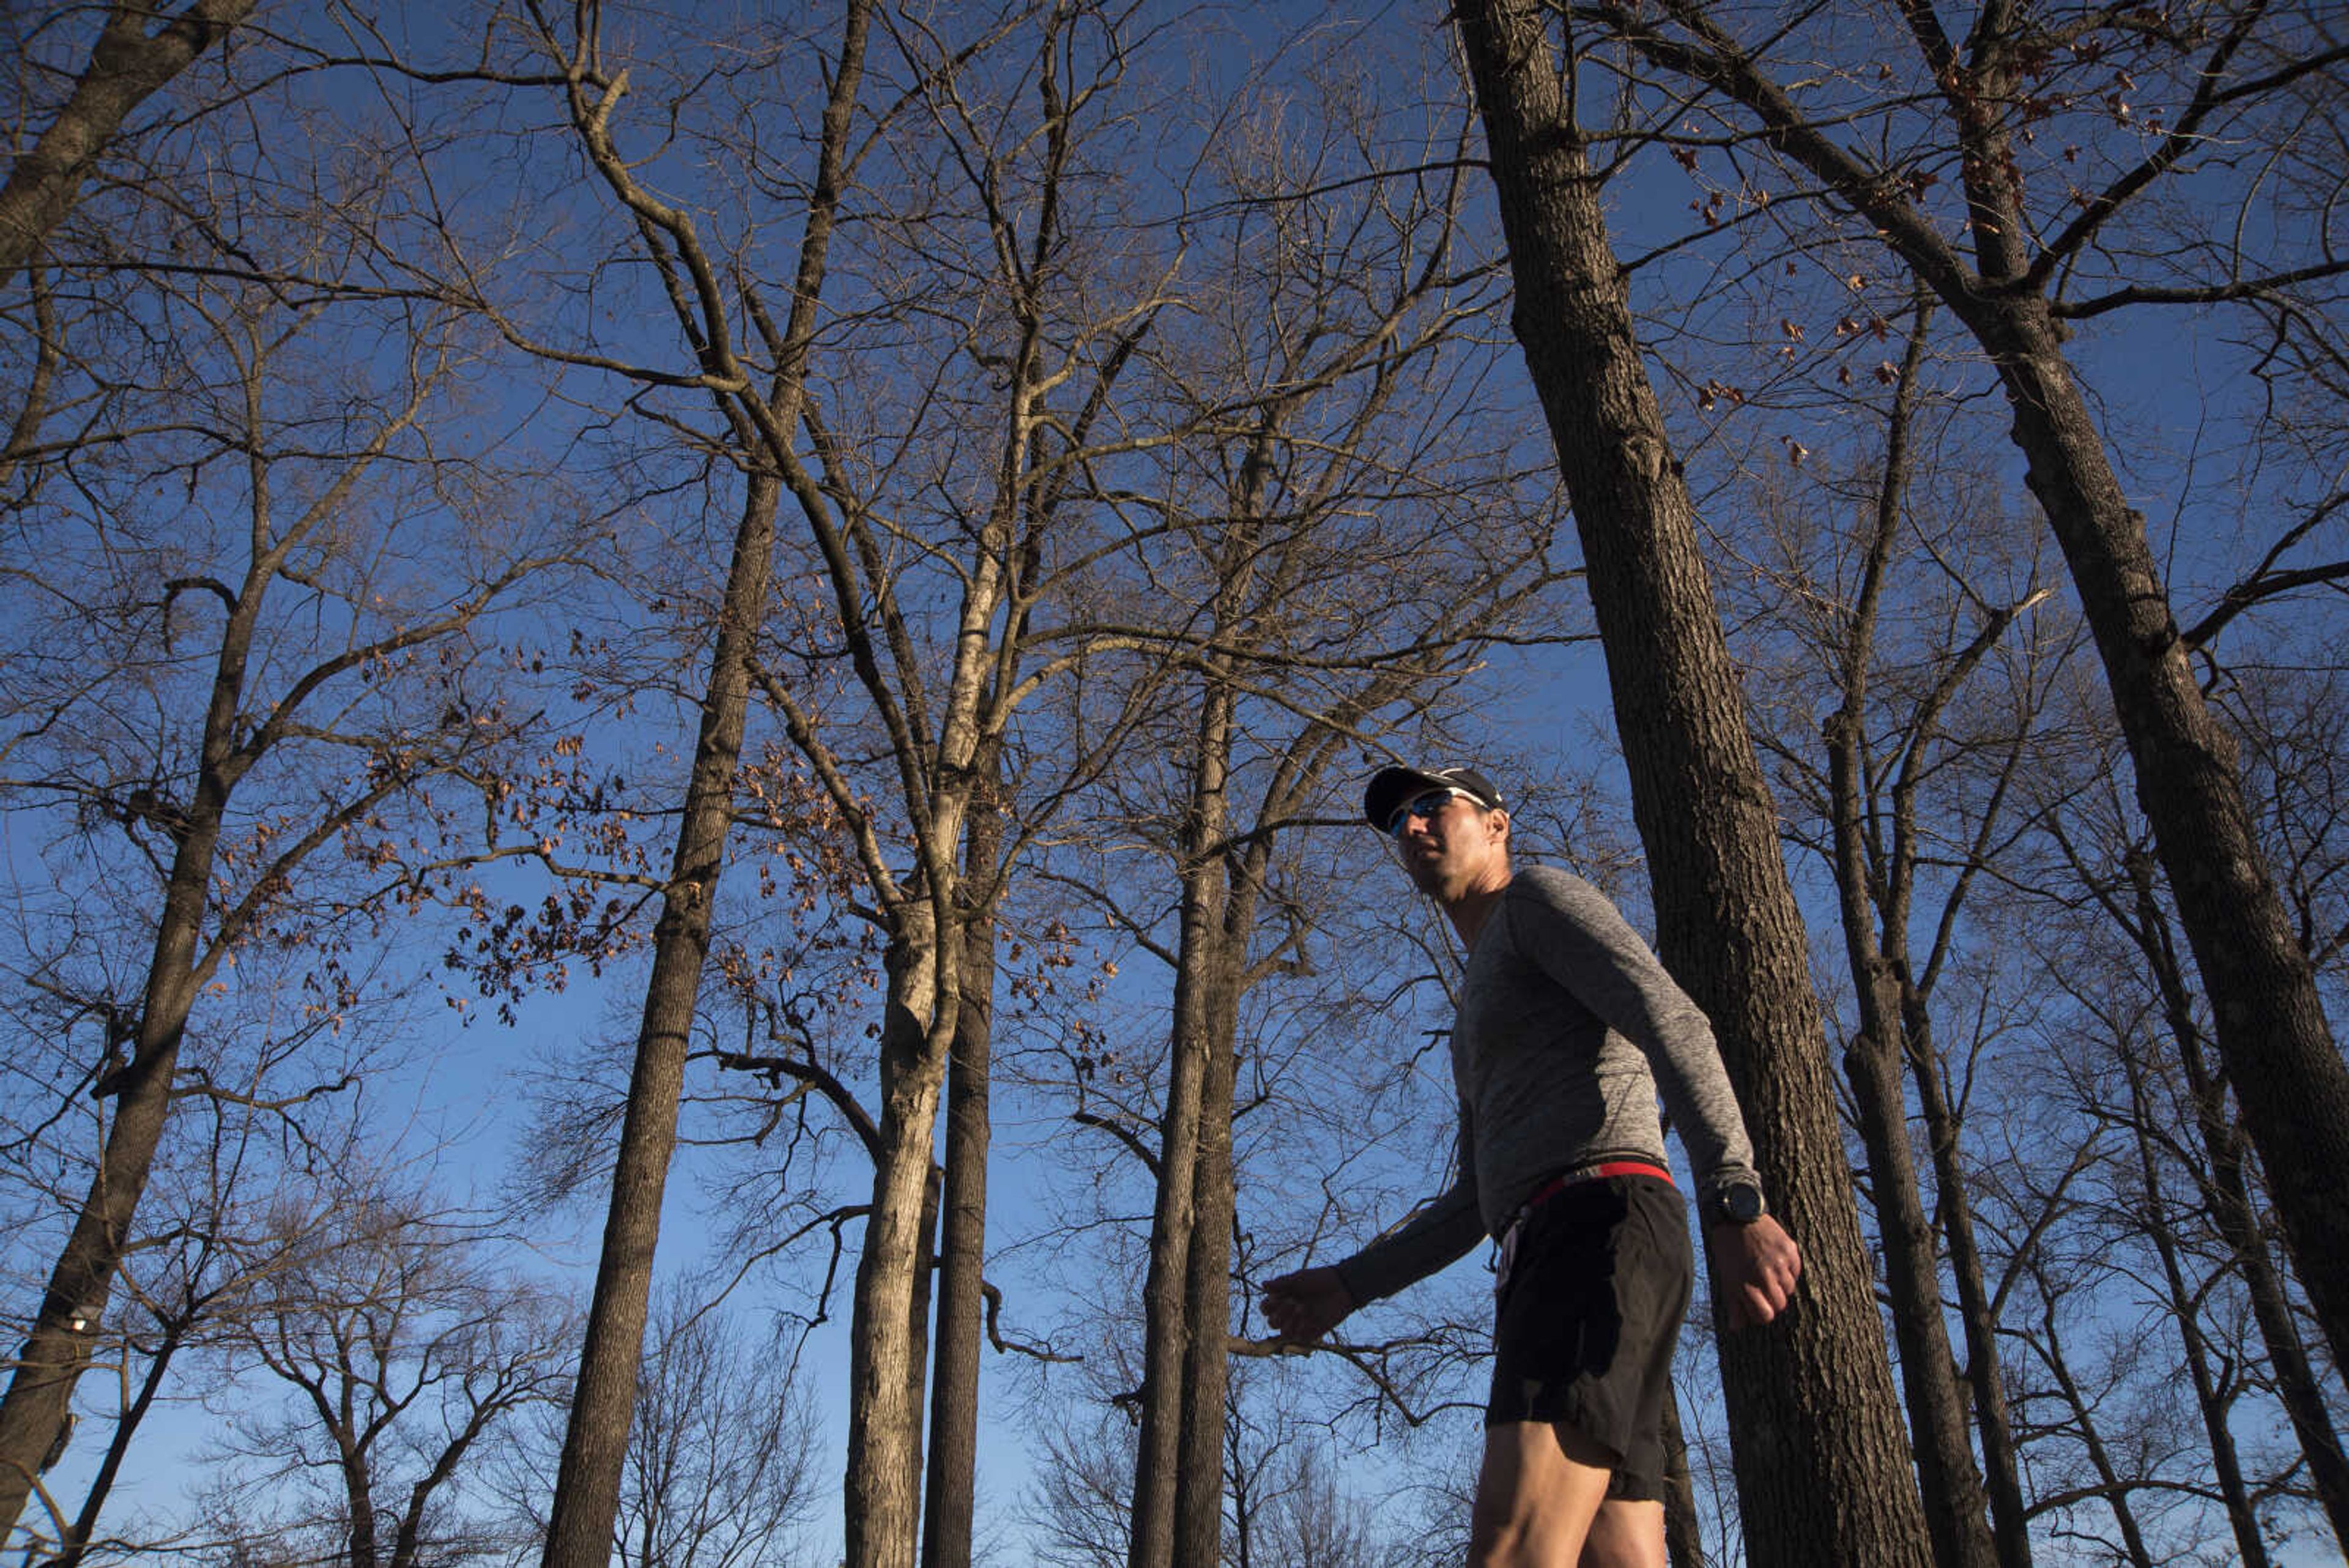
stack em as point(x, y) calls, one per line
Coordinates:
point(1437, 1233)
point(1582, 941)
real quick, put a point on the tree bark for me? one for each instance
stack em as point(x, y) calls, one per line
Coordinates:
point(588, 1478)
point(1208, 1288)
point(1819, 1452)
point(887, 1354)
point(127, 64)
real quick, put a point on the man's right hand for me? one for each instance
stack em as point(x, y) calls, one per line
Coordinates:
point(1307, 1304)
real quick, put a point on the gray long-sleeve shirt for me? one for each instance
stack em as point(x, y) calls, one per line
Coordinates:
point(1567, 1028)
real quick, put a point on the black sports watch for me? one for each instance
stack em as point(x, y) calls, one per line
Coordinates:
point(1735, 1203)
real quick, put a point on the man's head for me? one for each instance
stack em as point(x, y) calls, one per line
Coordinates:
point(1448, 824)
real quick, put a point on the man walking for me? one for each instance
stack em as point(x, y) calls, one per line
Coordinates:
point(1566, 1029)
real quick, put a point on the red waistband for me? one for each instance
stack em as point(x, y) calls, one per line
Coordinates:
point(1565, 1179)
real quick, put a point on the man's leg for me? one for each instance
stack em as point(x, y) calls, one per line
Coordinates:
point(1626, 1534)
point(1540, 1488)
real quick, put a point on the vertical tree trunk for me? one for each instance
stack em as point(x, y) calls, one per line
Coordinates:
point(1683, 1541)
point(604, 1400)
point(949, 1499)
point(1947, 1480)
point(587, 1481)
point(2227, 1188)
point(1167, 1324)
point(1208, 1291)
point(2010, 1518)
point(880, 1497)
point(1816, 1428)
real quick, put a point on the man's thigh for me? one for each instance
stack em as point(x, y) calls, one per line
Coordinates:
point(1539, 1491)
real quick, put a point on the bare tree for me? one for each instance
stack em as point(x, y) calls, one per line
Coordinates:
point(405, 1350)
point(227, 698)
point(1830, 1480)
point(2028, 241)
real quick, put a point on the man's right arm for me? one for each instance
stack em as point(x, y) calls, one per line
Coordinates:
point(1308, 1304)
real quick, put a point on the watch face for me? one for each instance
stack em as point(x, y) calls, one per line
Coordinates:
point(1742, 1203)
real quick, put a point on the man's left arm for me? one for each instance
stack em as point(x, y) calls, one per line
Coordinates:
point(1615, 974)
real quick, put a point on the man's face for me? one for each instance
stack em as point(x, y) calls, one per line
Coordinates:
point(1450, 844)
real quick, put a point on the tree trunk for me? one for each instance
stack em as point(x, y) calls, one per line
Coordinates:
point(604, 1400)
point(2227, 1189)
point(587, 1481)
point(127, 64)
point(2010, 1518)
point(2281, 1059)
point(882, 1494)
point(1167, 1329)
point(1683, 1541)
point(1816, 1427)
point(1949, 1484)
point(1208, 1291)
point(949, 1499)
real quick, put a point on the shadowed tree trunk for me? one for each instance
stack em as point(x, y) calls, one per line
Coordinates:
point(1820, 1455)
point(949, 1499)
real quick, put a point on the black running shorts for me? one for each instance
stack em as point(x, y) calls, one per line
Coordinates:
point(1588, 1310)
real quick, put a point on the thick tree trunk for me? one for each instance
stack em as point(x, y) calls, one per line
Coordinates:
point(127, 64)
point(1820, 1455)
point(604, 1400)
point(2281, 1059)
point(949, 1499)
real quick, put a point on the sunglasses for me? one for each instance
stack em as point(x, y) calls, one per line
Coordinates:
point(1424, 807)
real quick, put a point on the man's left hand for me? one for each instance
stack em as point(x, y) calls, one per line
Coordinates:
point(1758, 1265)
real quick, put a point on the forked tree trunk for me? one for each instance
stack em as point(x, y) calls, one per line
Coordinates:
point(1820, 1455)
